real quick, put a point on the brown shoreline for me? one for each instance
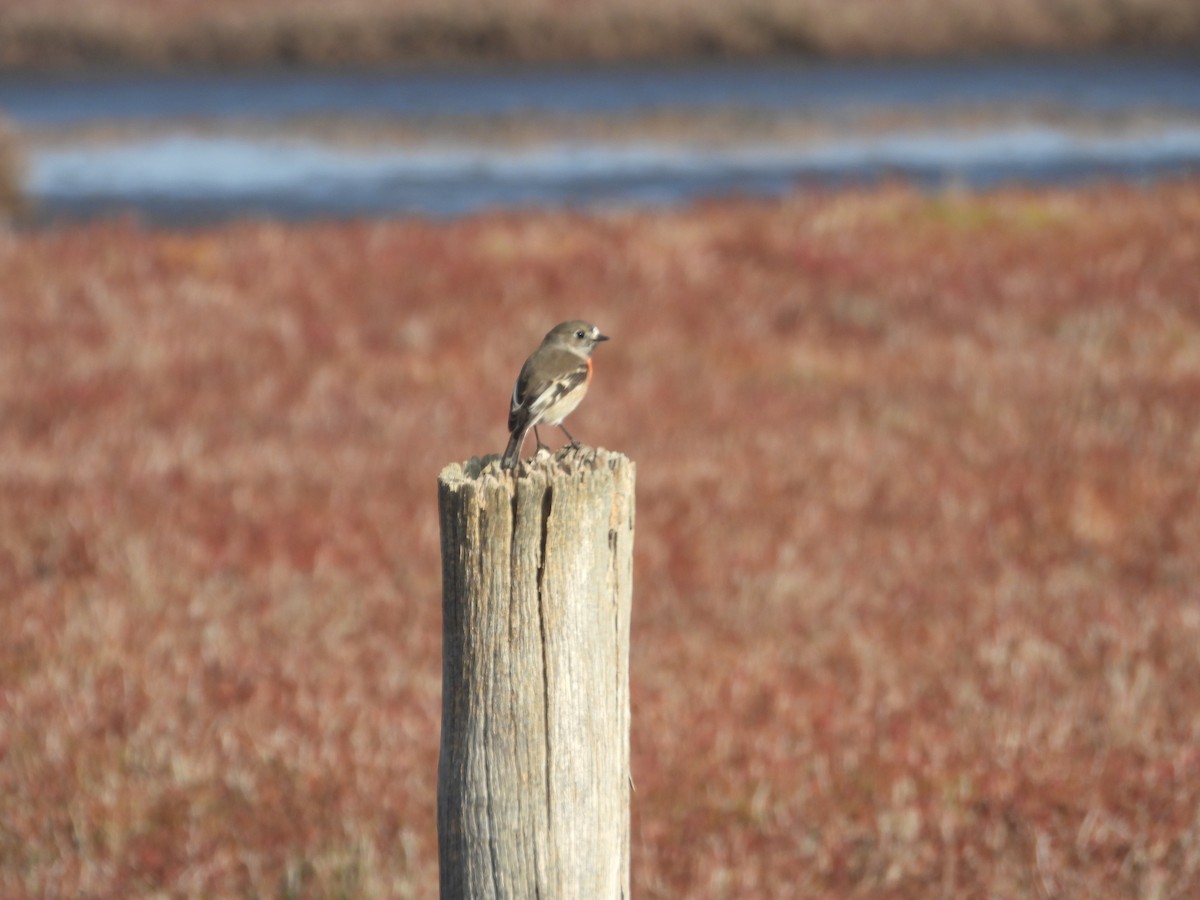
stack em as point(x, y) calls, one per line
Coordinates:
point(141, 34)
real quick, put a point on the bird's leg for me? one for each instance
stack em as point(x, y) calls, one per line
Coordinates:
point(574, 443)
point(537, 437)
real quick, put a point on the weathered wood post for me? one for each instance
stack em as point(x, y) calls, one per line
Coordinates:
point(533, 779)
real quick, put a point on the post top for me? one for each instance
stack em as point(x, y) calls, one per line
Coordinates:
point(566, 462)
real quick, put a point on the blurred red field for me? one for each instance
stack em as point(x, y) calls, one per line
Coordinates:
point(916, 608)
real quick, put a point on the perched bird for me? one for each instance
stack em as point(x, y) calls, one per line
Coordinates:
point(551, 384)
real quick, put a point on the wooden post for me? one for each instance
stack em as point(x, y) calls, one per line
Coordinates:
point(533, 779)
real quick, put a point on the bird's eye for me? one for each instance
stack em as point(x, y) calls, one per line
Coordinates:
point(579, 334)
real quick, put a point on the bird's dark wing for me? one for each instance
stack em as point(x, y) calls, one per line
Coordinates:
point(562, 372)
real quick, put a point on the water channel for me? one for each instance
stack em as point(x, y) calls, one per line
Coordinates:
point(193, 148)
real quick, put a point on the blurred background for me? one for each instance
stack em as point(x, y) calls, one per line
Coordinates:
point(197, 112)
point(904, 298)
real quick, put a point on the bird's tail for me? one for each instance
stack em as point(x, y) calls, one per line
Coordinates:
point(513, 450)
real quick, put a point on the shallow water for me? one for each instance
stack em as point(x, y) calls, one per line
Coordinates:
point(189, 148)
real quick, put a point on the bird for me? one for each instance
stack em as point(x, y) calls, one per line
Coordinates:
point(552, 382)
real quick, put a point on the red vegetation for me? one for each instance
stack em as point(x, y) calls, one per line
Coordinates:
point(916, 610)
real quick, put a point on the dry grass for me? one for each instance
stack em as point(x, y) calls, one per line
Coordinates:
point(916, 608)
point(375, 32)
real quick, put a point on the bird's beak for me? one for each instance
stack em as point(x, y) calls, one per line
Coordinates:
point(601, 337)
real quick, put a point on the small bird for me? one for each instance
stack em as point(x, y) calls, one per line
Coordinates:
point(551, 384)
